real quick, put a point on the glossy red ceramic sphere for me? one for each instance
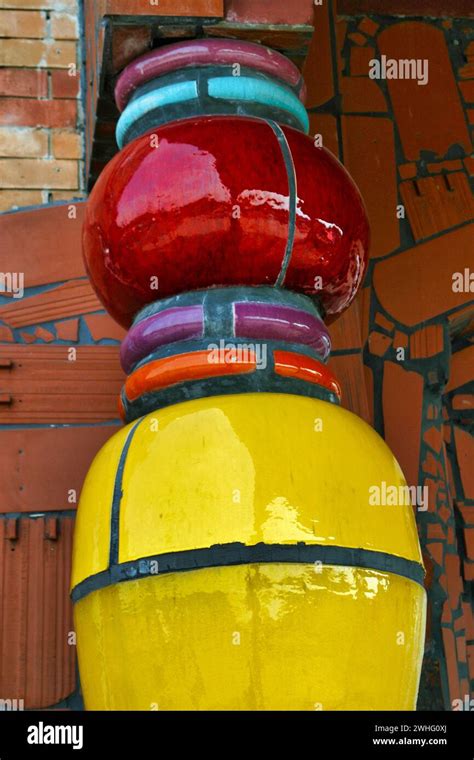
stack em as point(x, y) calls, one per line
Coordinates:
point(217, 201)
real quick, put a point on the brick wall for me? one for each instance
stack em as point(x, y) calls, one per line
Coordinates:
point(41, 136)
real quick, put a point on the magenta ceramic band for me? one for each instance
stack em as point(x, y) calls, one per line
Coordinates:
point(266, 321)
point(169, 326)
point(201, 53)
point(247, 319)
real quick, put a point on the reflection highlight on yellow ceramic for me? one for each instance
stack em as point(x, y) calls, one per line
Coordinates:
point(247, 468)
point(252, 469)
point(254, 637)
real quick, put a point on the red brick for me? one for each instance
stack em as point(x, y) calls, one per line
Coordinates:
point(318, 67)
point(67, 144)
point(64, 26)
point(467, 71)
point(26, 112)
point(25, 83)
point(434, 204)
point(24, 142)
point(12, 199)
point(64, 84)
point(369, 155)
point(24, 24)
point(68, 330)
point(40, 173)
point(465, 459)
point(40, 53)
point(423, 122)
point(416, 285)
point(402, 398)
point(362, 95)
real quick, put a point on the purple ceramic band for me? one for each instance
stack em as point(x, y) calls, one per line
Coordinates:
point(204, 52)
point(169, 326)
point(265, 321)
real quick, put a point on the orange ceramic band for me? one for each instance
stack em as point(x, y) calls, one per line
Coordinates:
point(196, 365)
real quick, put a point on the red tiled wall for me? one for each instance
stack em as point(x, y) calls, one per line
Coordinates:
point(409, 148)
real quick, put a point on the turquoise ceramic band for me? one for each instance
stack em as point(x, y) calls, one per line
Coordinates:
point(245, 89)
point(174, 93)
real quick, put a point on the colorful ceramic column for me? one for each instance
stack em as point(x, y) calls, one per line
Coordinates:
point(227, 554)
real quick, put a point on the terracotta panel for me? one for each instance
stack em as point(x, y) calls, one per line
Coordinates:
point(360, 60)
point(407, 171)
point(318, 68)
point(102, 326)
point(422, 124)
point(465, 458)
point(427, 342)
point(46, 387)
point(406, 284)
point(30, 241)
point(460, 369)
point(75, 297)
point(402, 398)
point(39, 467)
point(379, 343)
point(434, 204)
point(345, 332)
point(369, 155)
point(349, 371)
point(68, 330)
point(37, 663)
point(362, 95)
point(325, 124)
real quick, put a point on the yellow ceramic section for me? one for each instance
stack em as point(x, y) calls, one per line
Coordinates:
point(254, 637)
point(92, 530)
point(272, 468)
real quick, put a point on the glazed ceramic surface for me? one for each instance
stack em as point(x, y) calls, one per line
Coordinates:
point(206, 52)
point(213, 202)
point(239, 515)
